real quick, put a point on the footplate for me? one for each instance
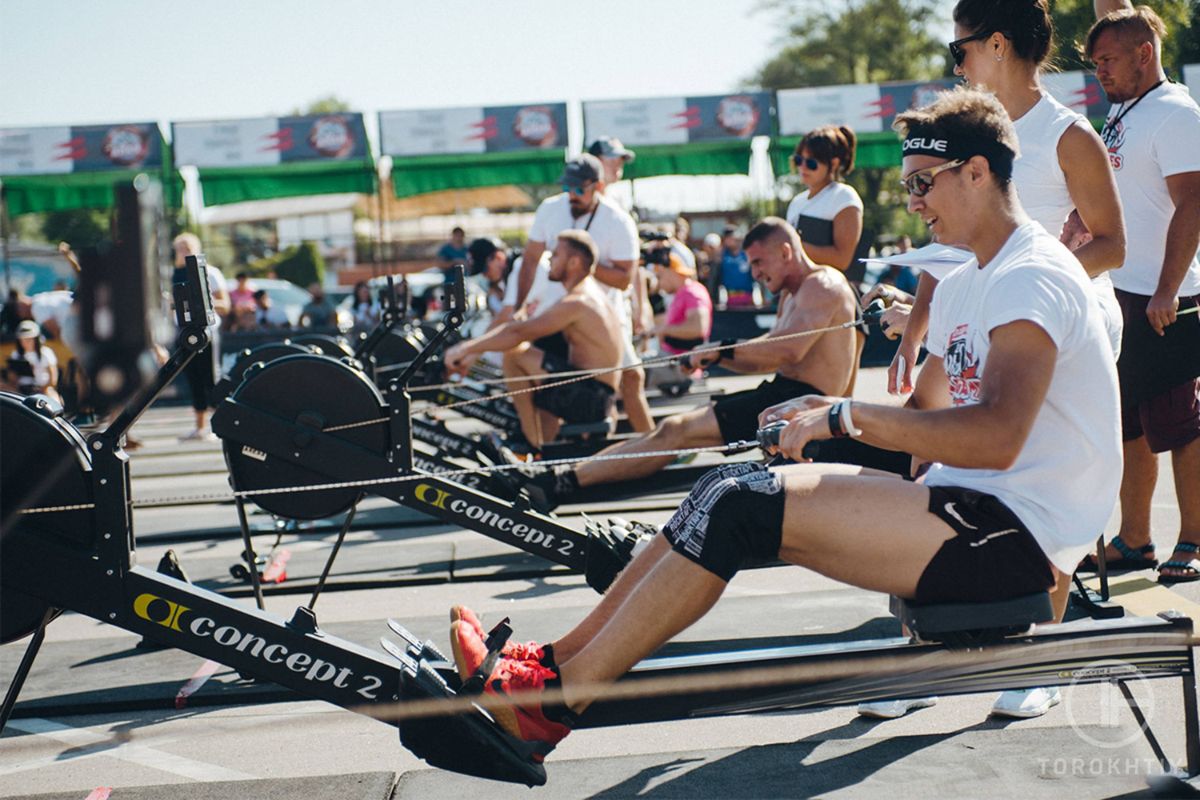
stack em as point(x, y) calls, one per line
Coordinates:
point(612, 544)
point(471, 743)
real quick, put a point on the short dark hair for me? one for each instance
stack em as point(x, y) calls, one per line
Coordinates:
point(829, 142)
point(581, 244)
point(1134, 25)
point(1025, 23)
point(973, 115)
point(771, 229)
point(457, 229)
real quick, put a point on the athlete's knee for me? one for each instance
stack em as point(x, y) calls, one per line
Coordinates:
point(732, 517)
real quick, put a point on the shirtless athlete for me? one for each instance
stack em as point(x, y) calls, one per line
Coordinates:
point(812, 297)
point(593, 333)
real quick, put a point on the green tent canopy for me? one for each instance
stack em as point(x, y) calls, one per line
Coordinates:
point(413, 175)
point(874, 150)
point(224, 185)
point(29, 194)
point(695, 158)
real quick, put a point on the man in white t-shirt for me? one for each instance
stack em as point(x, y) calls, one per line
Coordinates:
point(583, 206)
point(1017, 401)
point(1153, 140)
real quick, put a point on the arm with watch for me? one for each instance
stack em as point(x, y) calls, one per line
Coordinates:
point(987, 434)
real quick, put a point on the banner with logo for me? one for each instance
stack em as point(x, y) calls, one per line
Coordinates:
point(680, 120)
point(464, 148)
point(1191, 77)
point(64, 167)
point(270, 140)
point(1079, 91)
point(269, 157)
point(79, 148)
point(476, 129)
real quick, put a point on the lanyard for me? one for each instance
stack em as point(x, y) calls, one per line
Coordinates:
point(591, 217)
point(1109, 132)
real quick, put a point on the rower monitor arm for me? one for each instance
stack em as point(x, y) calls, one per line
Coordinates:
point(451, 320)
point(193, 297)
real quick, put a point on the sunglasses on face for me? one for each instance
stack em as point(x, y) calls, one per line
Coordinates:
point(578, 191)
point(956, 47)
point(919, 183)
point(810, 163)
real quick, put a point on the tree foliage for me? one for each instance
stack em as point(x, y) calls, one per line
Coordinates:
point(1073, 19)
point(854, 41)
point(301, 264)
point(329, 104)
point(79, 228)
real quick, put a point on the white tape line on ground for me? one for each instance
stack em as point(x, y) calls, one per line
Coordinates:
point(106, 745)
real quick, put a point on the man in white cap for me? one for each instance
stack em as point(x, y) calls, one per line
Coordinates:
point(613, 155)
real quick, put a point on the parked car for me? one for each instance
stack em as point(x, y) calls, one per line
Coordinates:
point(292, 299)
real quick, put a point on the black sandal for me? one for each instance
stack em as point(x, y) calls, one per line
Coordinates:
point(1131, 560)
point(1192, 574)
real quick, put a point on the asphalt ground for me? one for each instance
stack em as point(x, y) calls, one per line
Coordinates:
point(98, 717)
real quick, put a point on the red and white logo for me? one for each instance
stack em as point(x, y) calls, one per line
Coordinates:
point(535, 126)
point(125, 145)
point(738, 114)
point(963, 370)
point(331, 137)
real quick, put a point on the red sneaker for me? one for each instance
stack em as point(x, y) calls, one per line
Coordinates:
point(468, 640)
point(528, 721)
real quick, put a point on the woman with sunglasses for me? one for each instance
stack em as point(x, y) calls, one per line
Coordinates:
point(1003, 46)
point(828, 214)
point(1061, 172)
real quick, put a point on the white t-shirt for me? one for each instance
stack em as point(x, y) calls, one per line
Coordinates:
point(1157, 138)
point(1064, 483)
point(542, 294)
point(1042, 189)
point(40, 361)
point(616, 239)
point(828, 203)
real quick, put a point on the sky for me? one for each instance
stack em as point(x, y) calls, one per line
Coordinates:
point(78, 61)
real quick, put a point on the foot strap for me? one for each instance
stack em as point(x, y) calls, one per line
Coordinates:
point(1128, 552)
point(497, 638)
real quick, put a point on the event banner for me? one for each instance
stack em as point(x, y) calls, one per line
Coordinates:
point(1191, 76)
point(475, 129)
point(871, 108)
point(680, 120)
point(79, 148)
point(270, 140)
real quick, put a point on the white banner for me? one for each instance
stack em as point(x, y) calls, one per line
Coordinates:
point(856, 105)
point(1191, 76)
point(433, 131)
point(1067, 88)
point(661, 120)
point(36, 151)
point(229, 143)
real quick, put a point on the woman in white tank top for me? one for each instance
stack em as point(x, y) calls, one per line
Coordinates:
point(1002, 45)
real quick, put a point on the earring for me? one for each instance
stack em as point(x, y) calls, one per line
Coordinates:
point(999, 57)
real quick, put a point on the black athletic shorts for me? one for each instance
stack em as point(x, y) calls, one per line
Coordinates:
point(737, 413)
point(581, 401)
point(994, 556)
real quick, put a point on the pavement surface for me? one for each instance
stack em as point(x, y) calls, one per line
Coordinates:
point(99, 716)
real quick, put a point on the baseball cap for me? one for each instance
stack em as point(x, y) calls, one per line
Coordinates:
point(679, 266)
point(28, 329)
point(581, 169)
point(611, 147)
point(480, 251)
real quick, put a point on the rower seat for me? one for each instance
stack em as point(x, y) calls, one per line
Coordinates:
point(586, 430)
point(972, 624)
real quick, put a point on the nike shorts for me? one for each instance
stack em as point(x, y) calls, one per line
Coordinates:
point(992, 557)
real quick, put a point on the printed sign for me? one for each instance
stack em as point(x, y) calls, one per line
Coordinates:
point(861, 106)
point(679, 120)
point(270, 140)
point(476, 129)
point(79, 148)
point(1079, 91)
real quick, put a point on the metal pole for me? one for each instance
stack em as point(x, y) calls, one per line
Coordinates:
point(5, 233)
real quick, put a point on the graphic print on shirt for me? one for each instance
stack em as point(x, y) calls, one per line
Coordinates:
point(963, 369)
point(1114, 138)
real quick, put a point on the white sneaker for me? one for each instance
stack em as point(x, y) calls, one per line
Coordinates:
point(199, 435)
point(1026, 703)
point(892, 709)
